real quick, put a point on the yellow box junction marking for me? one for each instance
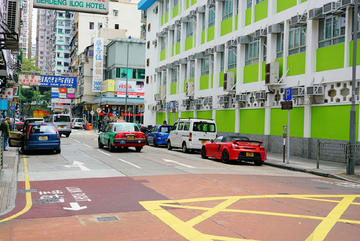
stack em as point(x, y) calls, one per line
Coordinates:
point(187, 230)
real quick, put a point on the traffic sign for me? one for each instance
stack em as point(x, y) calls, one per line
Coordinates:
point(141, 106)
point(286, 105)
point(288, 94)
point(92, 112)
point(98, 110)
point(174, 104)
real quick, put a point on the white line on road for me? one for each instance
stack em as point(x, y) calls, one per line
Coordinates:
point(181, 164)
point(77, 141)
point(129, 163)
point(87, 145)
point(104, 153)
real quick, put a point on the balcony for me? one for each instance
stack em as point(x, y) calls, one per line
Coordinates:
point(143, 16)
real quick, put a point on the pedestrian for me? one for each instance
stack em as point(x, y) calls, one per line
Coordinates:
point(99, 125)
point(164, 123)
point(5, 131)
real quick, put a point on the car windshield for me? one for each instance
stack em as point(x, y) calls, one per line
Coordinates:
point(79, 120)
point(126, 127)
point(62, 118)
point(204, 127)
point(42, 129)
point(239, 138)
point(165, 129)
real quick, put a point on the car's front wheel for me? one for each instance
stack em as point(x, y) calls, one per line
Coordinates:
point(155, 143)
point(225, 156)
point(168, 145)
point(100, 145)
point(203, 153)
point(184, 148)
point(111, 147)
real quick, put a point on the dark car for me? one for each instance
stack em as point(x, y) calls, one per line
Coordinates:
point(29, 121)
point(158, 135)
point(39, 136)
point(234, 148)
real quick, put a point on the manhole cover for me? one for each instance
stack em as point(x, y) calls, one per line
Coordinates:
point(107, 219)
point(47, 200)
point(25, 191)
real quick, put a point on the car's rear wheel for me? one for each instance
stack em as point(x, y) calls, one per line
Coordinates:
point(154, 143)
point(203, 153)
point(225, 156)
point(111, 147)
point(168, 145)
point(138, 149)
point(184, 148)
point(100, 145)
point(67, 135)
point(258, 163)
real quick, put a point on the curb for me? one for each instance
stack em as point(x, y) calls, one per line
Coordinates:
point(317, 173)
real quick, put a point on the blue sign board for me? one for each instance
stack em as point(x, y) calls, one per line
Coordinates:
point(288, 94)
point(114, 112)
point(58, 81)
point(174, 104)
point(3, 104)
point(54, 95)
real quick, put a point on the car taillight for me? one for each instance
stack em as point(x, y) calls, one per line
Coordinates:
point(160, 134)
point(28, 133)
point(235, 146)
point(143, 136)
point(119, 136)
point(190, 136)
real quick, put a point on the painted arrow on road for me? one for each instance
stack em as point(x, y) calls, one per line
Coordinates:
point(181, 164)
point(75, 207)
point(80, 165)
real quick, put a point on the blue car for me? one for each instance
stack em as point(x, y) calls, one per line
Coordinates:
point(158, 135)
point(39, 136)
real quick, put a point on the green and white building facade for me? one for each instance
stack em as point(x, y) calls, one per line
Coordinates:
point(231, 60)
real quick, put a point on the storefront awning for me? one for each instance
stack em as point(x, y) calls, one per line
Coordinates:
point(117, 100)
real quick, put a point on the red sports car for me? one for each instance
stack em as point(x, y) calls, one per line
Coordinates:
point(234, 148)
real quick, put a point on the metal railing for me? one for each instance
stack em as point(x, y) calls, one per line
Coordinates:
point(337, 152)
point(1, 151)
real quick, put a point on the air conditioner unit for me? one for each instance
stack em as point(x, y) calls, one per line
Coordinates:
point(177, 22)
point(206, 100)
point(201, 9)
point(244, 39)
point(298, 91)
point(209, 51)
point(241, 97)
point(13, 15)
point(316, 13)
point(155, 108)
point(192, 57)
point(219, 48)
point(230, 43)
point(185, 19)
point(229, 81)
point(271, 73)
point(192, 13)
point(199, 55)
point(162, 92)
point(331, 7)
point(189, 88)
point(275, 28)
point(150, 107)
point(199, 102)
point(210, 2)
point(223, 99)
point(260, 95)
point(298, 20)
point(260, 33)
point(315, 90)
point(154, 42)
point(345, 3)
point(157, 97)
point(186, 103)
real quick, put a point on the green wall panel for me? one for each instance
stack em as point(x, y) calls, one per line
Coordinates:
point(221, 79)
point(166, 17)
point(248, 16)
point(171, 118)
point(285, 4)
point(357, 53)
point(252, 121)
point(173, 88)
point(188, 43)
point(225, 120)
point(190, 80)
point(160, 117)
point(251, 73)
point(261, 10)
point(177, 48)
point(331, 57)
point(280, 60)
point(175, 11)
point(211, 33)
point(204, 82)
point(233, 70)
point(187, 4)
point(203, 37)
point(162, 21)
point(296, 64)
point(187, 114)
point(193, 2)
point(302, 1)
point(226, 26)
point(162, 54)
point(205, 114)
point(263, 71)
point(279, 118)
point(236, 21)
point(332, 122)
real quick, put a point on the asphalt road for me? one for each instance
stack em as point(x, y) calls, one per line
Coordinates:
point(87, 193)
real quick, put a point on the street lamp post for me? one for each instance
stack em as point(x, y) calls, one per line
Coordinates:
point(127, 72)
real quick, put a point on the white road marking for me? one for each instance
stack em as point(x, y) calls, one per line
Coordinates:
point(87, 145)
point(181, 164)
point(77, 141)
point(80, 165)
point(129, 163)
point(104, 153)
point(75, 207)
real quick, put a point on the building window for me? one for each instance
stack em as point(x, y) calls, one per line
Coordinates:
point(66, 55)
point(116, 26)
point(164, 78)
point(248, 3)
point(176, 2)
point(332, 30)
point(115, 12)
point(211, 16)
point(58, 63)
point(279, 45)
point(163, 43)
point(252, 52)
point(232, 58)
point(222, 62)
point(185, 70)
point(60, 31)
point(67, 31)
point(264, 50)
point(91, 25)
point(297, 39)
point(174, 75)
point(203, 22)
point(205, 66)
point(178, 34)
point(189, 28)
point(66, 64)
point(192, 69)
point(100, 25)
point(227, 9)
point(259, 1)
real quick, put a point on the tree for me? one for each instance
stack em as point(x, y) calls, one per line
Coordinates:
point(29, 97)
point(28, 66)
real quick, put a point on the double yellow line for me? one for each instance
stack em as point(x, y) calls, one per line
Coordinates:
point(28, 195)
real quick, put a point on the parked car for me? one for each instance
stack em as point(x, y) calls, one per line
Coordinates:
point(61, 122)
point(158, 135)
point(121, 134)
point(29, 121)
point(190, 134)
point(39, 136)
point(234, 148)
point(77, 123)
point(71, 123)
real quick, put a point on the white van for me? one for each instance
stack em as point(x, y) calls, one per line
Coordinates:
point(61, 121)
point(190, 134)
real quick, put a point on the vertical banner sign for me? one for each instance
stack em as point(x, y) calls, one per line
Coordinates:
point(98, 64)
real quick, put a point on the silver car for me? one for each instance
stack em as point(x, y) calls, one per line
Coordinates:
point(61, 122)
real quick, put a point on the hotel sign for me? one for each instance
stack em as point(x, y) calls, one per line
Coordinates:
point(85, 6)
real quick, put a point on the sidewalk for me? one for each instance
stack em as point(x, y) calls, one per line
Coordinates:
point(8, 175)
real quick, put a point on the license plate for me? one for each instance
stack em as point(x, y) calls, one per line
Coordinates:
point(250, 154)
point(130, 137)
point(43, 138)
point(62, 127)
point(203, 141)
